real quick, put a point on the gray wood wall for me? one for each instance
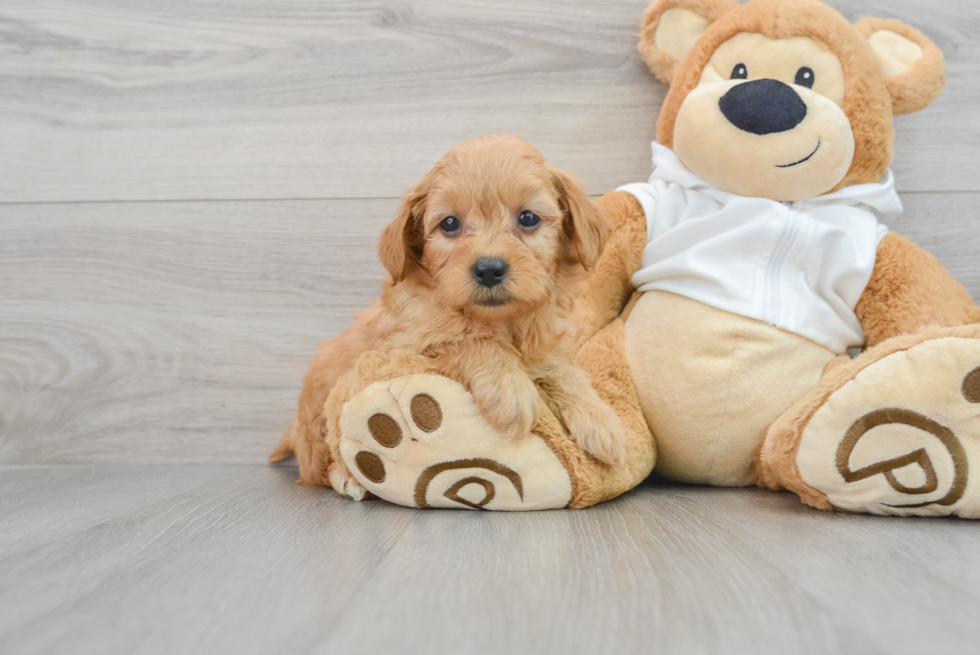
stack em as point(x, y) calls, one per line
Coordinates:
point(191, 190)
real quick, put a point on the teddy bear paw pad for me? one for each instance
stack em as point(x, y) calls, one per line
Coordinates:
point(903, 437)
point(421, 441)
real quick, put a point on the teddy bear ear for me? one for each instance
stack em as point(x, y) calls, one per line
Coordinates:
point(914, 67)
point(672, 27)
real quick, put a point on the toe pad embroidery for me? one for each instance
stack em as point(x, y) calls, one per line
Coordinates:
point(385, 430)
point(371, 466)
point(426, 412)
point(971, 386)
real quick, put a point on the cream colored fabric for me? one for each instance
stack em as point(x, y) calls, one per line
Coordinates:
point(778, 59)
point(922, 389)
point(806, 161)
point(896, 53)
point(419, 450)
point(711, 382)
point(678, 31)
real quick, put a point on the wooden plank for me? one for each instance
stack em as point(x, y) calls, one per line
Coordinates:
point(171, 332)
point(163, 332)
point(168, 577)
point(119, 100)
point(42, 504)
point(249, 562)
point(876, 572)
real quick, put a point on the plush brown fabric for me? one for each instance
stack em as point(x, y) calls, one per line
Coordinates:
point(661, 63)
point(910, 289)
point(601, 296)
point(924, 82)
point(603, 357)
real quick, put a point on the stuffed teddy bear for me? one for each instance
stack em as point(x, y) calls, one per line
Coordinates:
point(718, 320)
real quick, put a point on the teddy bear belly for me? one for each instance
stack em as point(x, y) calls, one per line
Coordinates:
point(711, 382)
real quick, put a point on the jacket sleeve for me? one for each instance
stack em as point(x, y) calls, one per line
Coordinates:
point(910, 289)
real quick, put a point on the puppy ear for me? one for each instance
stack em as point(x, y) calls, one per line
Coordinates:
point(914, 67)
point(584, 227)
point(672, 27)
point(400, 247)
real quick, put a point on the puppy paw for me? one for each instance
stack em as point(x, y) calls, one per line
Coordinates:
point(512, 405)
point(597, 429)
point(346, 485)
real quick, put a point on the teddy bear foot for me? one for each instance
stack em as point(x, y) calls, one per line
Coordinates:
point(902, 436)
point(420, 441)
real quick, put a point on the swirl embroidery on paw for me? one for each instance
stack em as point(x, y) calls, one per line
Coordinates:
point(429, 474)
point(888, 467)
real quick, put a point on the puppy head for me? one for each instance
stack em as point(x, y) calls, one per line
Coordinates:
point(493, 229)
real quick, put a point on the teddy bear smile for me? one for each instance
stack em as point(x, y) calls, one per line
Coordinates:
point(805, 159)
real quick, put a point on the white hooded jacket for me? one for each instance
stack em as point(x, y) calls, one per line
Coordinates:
point(799, 266)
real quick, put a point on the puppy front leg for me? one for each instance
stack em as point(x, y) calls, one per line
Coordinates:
point(591, 422)
point(504, 392)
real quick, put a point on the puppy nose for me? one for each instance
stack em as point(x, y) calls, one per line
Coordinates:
point(763, 107)
point(489, 271)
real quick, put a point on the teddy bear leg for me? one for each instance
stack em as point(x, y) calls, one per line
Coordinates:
point(420, 441)
point(603, 358)
point(894, 432)
point(414, 437)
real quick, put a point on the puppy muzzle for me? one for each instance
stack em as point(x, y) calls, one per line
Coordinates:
point(489, 272)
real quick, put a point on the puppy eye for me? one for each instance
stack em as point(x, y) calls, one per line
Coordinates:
point(740, 72)
point(805, 77)
point(528, 220)
point(450, 224)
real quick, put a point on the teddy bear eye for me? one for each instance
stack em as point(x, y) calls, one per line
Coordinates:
point(805, 77)
point(740, 72)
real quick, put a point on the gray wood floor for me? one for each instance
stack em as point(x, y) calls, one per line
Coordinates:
point(237, 559)
point(190, 195)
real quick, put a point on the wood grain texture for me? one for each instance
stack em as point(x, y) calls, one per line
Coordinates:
point(235, 99)
point(165, 332)
point(243, 561)
point(170, 332)
point(40, 505)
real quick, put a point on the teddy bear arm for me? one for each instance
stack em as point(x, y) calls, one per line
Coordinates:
point(909, 289)
point(604, 292)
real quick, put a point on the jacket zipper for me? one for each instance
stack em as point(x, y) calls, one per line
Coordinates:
point(774, 271)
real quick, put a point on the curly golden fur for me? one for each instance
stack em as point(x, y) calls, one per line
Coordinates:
point(510, 345)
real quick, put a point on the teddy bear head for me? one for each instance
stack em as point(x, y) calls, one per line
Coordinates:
point(784, 99)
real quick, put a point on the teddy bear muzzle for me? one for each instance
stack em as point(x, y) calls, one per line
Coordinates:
point(763, 107)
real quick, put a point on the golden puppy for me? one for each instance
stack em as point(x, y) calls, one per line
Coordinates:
point(482, 257)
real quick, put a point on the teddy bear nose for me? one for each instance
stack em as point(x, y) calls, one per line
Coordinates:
point(489, 271)
point(763, 107)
